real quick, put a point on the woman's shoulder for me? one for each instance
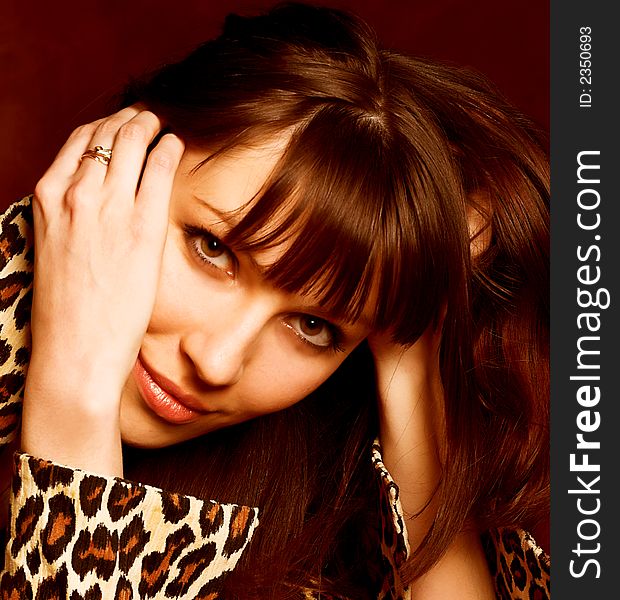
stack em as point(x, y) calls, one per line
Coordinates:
point(16, 266)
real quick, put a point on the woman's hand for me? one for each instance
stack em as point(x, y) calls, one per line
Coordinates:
point(410, 398)
point(411, 406)
point(99, 236)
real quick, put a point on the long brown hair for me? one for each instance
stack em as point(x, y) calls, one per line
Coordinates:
point(386, 153)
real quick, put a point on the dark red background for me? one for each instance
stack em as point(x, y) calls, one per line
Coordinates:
point(61, 61)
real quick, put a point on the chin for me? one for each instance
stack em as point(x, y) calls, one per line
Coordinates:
point(142, 429)
point(147, 440)
point(143, 444)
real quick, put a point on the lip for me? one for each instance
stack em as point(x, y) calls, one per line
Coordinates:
point(164, 397)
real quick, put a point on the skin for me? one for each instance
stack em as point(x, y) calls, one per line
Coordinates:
point(240, 347)
point(116, 277)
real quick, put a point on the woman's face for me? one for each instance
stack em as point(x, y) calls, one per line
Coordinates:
point(224, 345)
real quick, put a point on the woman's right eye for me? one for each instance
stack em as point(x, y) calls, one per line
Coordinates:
point(211, 250)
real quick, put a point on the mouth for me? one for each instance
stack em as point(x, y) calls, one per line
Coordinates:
point(163, 397)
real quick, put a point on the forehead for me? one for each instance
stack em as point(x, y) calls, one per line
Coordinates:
point(230, 180)
point(222, 187)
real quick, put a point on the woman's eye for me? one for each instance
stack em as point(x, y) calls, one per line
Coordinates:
point(212, 250)
point(315, 331)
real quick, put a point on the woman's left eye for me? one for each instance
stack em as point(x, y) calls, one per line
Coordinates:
point(315, 331)
point(211, 250)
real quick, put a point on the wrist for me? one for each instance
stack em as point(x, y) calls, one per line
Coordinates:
point(74, 426)
point(80, 436)
point(84, 382)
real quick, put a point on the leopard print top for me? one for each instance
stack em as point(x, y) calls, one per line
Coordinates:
point(78, 535)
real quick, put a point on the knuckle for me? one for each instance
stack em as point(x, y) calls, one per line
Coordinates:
point(77, 195)
point(132, 131)
point(109, 127)
point(86, 130)
point(44, 191)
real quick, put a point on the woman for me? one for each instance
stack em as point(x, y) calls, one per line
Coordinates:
point(312, 209)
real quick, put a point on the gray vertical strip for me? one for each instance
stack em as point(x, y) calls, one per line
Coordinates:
point(585, 298)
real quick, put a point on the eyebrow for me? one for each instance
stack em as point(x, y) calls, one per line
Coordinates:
point(224, 216)
point(230, 221)
point(227, 218)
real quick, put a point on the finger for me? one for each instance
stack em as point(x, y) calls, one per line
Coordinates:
point(130, 146)
point(67, 160)
point(51, 188)
point(104, 135)
point(153, 198)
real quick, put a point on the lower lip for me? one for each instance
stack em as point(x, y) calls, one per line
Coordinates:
point(160, 402)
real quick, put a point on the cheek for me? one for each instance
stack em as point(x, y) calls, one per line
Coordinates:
point(180, 294)
point(279, 371)
point(170, 289)
point(284, 377)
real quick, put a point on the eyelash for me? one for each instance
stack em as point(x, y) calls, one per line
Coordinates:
point(335, 344)
point(193, 233)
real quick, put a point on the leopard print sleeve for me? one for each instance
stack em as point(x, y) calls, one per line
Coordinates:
point(74, 535)
point(392, 531)
point(519, 567)
point(16, 266)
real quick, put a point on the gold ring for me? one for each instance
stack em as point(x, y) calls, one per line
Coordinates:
point(99, 154)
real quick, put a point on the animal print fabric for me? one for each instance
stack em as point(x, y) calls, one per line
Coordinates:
point(78, 535)
point(394, 545)
point(16, 265)
point(81, 536)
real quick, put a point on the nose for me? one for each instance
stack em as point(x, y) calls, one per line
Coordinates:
point(221, 346)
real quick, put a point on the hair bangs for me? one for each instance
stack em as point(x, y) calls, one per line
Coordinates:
point(343, 212)
point(417, 276)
